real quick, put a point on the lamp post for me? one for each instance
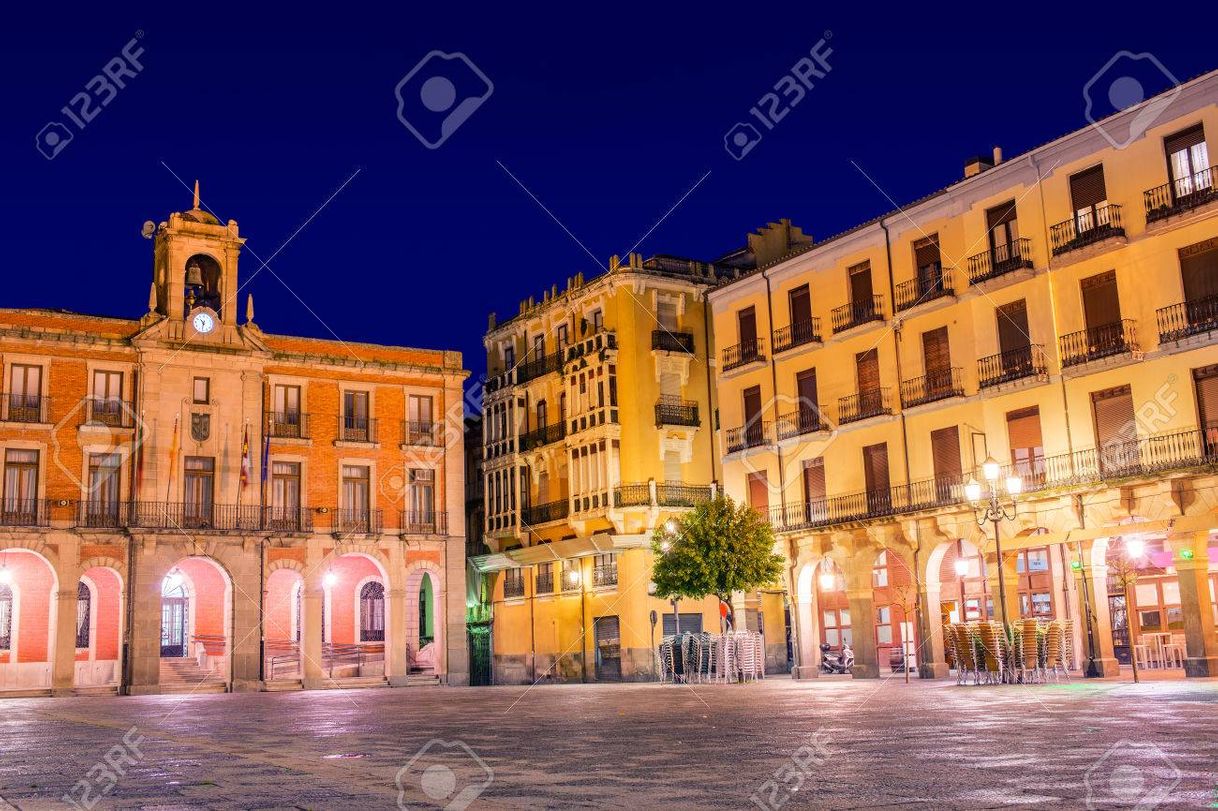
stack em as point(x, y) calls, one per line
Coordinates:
point(670, 530)
point(989, 507)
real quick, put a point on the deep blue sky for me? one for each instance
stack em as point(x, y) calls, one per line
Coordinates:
point(607, 117)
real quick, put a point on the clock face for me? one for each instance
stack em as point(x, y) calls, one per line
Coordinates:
point(203, 322)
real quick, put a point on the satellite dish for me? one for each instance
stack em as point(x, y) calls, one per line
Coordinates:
point(148, 230)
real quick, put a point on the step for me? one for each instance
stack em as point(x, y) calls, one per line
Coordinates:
point(354, 681)
point(282, 685)
point(199, 687)
point(422, 680)
point(102, 690)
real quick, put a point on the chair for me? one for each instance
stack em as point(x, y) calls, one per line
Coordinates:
point(1055, 650)
point(1030, 665)
point(1175, 651)
point(1141, 655)
point(966, 660)
point(949, 645)
point(991, 652)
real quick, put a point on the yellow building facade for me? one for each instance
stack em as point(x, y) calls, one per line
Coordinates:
point(1056, 312)
point(596, 430)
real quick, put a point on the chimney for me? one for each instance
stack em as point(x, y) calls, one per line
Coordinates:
point(997, 155)
point(976, 165)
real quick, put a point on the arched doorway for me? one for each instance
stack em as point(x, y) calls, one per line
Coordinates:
point(425, 622)
point(28, 584)
point(355, 617)
point(99, 627)
point(196, 618)
point(282, 625)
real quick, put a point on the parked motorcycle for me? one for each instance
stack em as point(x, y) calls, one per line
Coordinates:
point(834, 663)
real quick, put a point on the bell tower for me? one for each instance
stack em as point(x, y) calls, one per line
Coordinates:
point(195, 266)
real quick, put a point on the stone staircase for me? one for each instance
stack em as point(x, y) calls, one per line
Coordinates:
point(185, 676)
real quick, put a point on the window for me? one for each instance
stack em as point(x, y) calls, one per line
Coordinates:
point(421, 422)
point(198, 490)
point(1027, 447)
point(83, 605)
point(372, 612)
point(427, 630)
point(861, 293)
point(1035, 605)
point(1199, 273)
point(1101, 308)
point(1089, 199)
point(285, 494)
point(1013, 334)
point(103, 495)
point(604, 570)
point(105, 407)
point(571, 575)
point(666, 315)
point(539, 346)
point(286, 418)
point(759, 492)
point(25, 393)
point(945, 456)
point(1116, 430)
point(879, 571)
point(542, 414)
point(202, 390)
point(355, 491)
point(561, 337)
point(1187, 161)
point(814, 488)
point(543, 579)
point(1003, 226)
point(598, 320)
point(746, 323)
point(837, 627)
point(799, 303)
point(513, 583)
point(509, 358)
point(20, 486)
point(1032, 560)
point(875, 477)
point(356, 425)
point(883, 625)
point(422, 495)
point(6, 617)
point(929, 266)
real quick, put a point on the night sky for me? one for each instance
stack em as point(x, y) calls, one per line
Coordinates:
point(607, 118)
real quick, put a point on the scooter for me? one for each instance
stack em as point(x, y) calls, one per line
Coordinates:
point(836, 663)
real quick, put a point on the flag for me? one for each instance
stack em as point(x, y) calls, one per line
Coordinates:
point(266, 456)
point(245, 457)
point(173, 457)
point(139, 456)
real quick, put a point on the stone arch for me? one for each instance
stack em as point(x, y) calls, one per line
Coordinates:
point(35, 545)
point(417, 656)
point(285, 563)
point(117, 566)
point(19, 670)
point(204, 617)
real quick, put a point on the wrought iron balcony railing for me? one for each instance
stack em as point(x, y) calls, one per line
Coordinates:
point(1014, 364)
point(287, 425)
point(797, 333)
point(544, 513)
point(635, 494)
point(545, 435)
point(539, 367)
point(676, 494)
point(18, 407)
point(675, 411)
point(1181, 195)
point(1092, 224)
point(743, 353)
point(604, 575)
point(513, 586)
point(25, 512)
point(930, 388)
point(666, 341)
point(197, 517)
point(857, 313)
point(357, 429)
point(1187, 318)
point(110, 412)
point(421, 434)
point(753, 435)
point(424, 522)
point(356, 521)
point(808, 420)
point(1104, 341)
point(865, 404)
point(543, 583)
point(1000, 260)
point(923, 289)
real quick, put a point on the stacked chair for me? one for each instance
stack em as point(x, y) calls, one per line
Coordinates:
point(1056, 641)
point(1031, 665)
point(992, 644)
point(966, 654)
point(706, 657)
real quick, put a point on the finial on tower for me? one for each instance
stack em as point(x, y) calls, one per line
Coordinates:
point(152, 298)
point(196, 205)
point(249, 309)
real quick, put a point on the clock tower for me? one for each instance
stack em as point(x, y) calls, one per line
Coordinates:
point(195, 273)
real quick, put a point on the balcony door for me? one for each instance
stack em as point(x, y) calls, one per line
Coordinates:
point(20, 486)
point(809, 402)
point(867, 379)
point(1102, 313)
point(1199, 275)
point(814, 488)
point(929, 265)
point(746, 321)
point(419, 415)
point(799, 301)
point(356, 497)
point(666, 314)
point(1014, 337)
point(198, 491)
point(861, 293)
point(1206, 382)
point(355, 416)
point(753, 429)
point(107, 397)
point(287, 411)
point(759, 492)
point(937, 361)
point(102, 509)
point(1089, 199)
point(423, 496)
point(25, 393)
point(1115, 431)
point(285, 494)
point(945, 454)
point(1002, 223)
point(875, 475)
point(1027, 446)
point(1187, 160)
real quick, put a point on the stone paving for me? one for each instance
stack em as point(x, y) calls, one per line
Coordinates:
point(841, 743)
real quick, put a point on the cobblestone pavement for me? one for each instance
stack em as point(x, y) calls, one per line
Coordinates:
point(880, 744)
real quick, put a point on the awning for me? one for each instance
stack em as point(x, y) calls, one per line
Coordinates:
point(599, 544)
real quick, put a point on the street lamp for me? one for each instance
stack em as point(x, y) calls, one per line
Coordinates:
point(989, 507)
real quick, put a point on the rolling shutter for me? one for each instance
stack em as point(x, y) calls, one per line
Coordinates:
point(1087, 188)
point(860, 284)
point(752, 404)
point(1023, 433)
point(875, 468)
point(1000, 215)
point(1206, 382)
point(801, 305)
point(1114, 420)
point(1185, 139)
point(945, 453)
point(748, 326)
point(1013, 326)
point(936, 355)
point(926, 252)
point(1101, 304)
point(814, 479)
point(1199, 270)
point(867, 371)
point(805, 387)
point(759, 493)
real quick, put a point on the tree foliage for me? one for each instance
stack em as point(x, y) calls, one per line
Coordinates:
point(719, 547)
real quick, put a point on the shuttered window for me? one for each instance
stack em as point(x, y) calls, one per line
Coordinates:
point(747, 320)
point(800, 303)
point(1114, 420)
point(667, 315)
point(1184, 139)
point(1206, 382)
point(752, 404)
point(1187, 155)
point(1087, 188)
point(860, 284)
point(1002, 224)
point(759, 493)
point(805, 386)
point(1013, 326)
point(936, 356)
point(1101, 304)
point(814, 479)
point(926, 251)
point(1199, 270)
point(945, 453)
point(867, 370)
point(875, 468)
point(1027, 446)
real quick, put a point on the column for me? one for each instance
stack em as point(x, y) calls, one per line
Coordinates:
point(807, 625)
point(1095, 606)
point(397, 661)
point(63, 657)
point(245, 635)
point(144, 590)
point(312, 604)
point(1201, 657)
point(861, 596)
point(451, 602)
point(932, 659)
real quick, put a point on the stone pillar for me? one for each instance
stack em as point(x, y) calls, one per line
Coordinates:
point(452, 598)
point(807, 626)
point(313, 599)
point(397, 662)
point(861, 597)
point(145, 631)
point(63, 657)
point(932, 658)
point(1201, 658)
point(245, 634)
point(1095, 606)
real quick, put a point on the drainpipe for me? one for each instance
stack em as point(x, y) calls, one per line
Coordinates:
point(896, 332)
point(769, 308)
point(125, 683)
point(710, 388)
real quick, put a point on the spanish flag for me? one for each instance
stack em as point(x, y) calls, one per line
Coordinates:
point(245, 457)
point(173, 457)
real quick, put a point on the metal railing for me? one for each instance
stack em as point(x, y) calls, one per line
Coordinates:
point(427, 522)
point(797, 333)
point(604, 575)
point(25, 512)
point(108, 411)
point(109, 514)
point(633, 494)
point(923, 289)
point(421, 434)
point(287, 425)
point(356, 429)
point(753, 435)
point(743, 353)
point(873, 403)
point(1187, 318)
point(544, 513)
point(539, 367)
point(676, 494)
point(1088, 226)
point(1104, 341)
point(277, 518)
point(513, 586)
point(675, 411)
point(808, 420)
point(1000, 260)
point(930, 388)
point(666, 341)
point(17, 407)
point(545, 435)
point(1181, 195)
point(356, 521)
point(102, 514)
point(1014, 364)
point(857, 313)
point(543, 582)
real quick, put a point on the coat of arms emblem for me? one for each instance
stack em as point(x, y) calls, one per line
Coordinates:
point(200, 427)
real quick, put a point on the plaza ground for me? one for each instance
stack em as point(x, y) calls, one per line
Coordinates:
point(886, 744)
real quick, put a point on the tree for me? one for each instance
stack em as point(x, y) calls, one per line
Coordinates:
point(718, 548)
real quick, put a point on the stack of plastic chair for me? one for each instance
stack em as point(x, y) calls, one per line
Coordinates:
point(1070, 662)
point(1029, 659)
point(667, 665)
point(966, 658)
point(705, 647)
point(949, 647)
point(759, 648)
point(1055, 649)
point(991, 658)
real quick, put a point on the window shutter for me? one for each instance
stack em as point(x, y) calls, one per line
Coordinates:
point(1023, 429)
point(1206, 382)
point(1013, 326)
point(1199, 271)
point(926, 251)
point(867, 367)
point(875, 467)
point(801, 305)
point(1087, 188)
point(1101, 304)
point(759, 493)
point(861, 292)
point(945, 453)
point(936, 355)
point(814, 479)
point(748, 325)
point(999, 215)
point(1184, 139)
point(1114, 420)
point(805, 387)
point(752, 403)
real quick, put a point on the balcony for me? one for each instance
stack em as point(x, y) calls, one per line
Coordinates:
point(110, 412)
point(1087, 227)
point(1000, 260)
point(421, 434)
point(871, 504)
point(924, 289)
point(675, 411)
point(865, 404)
point(676, 494)
point(544, 582)
point(539, 367)
point(356, 521)
point(25, 512)
point(287, 425)
point(545, 513)
point(357, 429)
point(796, 334)
point(287, 519)
point(1187, 318)
point(604, 575)
point(17, 407)
point(930, 388)
point(743, 353)
point(545, 435)
point(1012, 365)
point(109, 514)
point(428, 522)
point(637, 494)
point(513, 587)
point(808, 420)
point(857, 313)
point(666, 341)
point(1096, 343)
point(753, 435)
point(1180, 195)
